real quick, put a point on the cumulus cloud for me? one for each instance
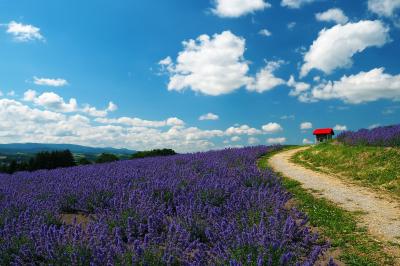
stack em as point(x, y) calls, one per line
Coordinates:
point(335, 47)
point(50, 82)
point(237, 8)
point(265, 79)
point(295, 3)
point(23, 123)
point(362, 87)
point(235, 139)
point(209, 116)
point(272, 128)
point(340, 128)
point(280, 140)
point(384, 8)
point(112, 107)
point(29, 95)
point(374, 126)
point(33, 121)
point(55, 102)
point(265, 32)
point(24, 32)
point(291, 25)
point(216, 65)
point(298, 87)
point(335, 15)
point(137, 122)
point(210, 65)
point(306, 125)
point(242, 130)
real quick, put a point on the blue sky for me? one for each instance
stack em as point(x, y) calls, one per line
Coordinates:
point(140, 74)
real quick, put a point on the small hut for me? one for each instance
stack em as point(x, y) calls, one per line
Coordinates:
point(323, 134)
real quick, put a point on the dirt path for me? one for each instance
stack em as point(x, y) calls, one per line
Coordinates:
point(382, 215)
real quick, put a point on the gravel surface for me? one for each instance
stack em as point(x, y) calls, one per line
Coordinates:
point(381, 214)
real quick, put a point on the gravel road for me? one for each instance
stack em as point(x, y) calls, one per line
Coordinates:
point(381, 213)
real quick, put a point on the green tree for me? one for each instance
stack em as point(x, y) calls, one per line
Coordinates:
point(106, 157)
point(153, 153)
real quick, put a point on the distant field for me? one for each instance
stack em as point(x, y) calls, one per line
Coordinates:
point(377, 167)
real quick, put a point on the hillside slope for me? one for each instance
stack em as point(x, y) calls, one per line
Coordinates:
point(376, 167)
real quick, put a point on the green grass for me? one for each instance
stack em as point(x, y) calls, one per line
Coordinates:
point(376, 167)
point(350, 243)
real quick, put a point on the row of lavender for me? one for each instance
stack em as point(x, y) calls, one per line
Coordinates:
point(213, 208)
point(388, 136)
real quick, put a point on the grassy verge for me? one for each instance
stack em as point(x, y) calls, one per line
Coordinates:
point(375, 167)
point(350, 243)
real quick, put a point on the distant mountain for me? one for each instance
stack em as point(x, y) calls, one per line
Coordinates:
point(37, 147)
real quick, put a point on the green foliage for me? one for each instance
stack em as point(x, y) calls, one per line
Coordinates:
point(68, 204)
point(376, 167)
point(106, 158)
point(42, 160)
point(83, 161)
point(164, 195)
point(153, 153)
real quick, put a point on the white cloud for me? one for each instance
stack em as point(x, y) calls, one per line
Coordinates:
point(286, 117)
point(30, 121)
point(93, 111)
point(374, 126)
point(265, 79)
point(307, 141)
point(209, 116)
point(50, 82)
point(271, 128)
point(335, 47)
point(137, 122)
point(360, 88)
point(24, 33)
point(11, 93)
point(237, 8)
point(298, 87)
point(291, 25)
point(216, 65)
point(340, 128)
point(253, 141)
point(112, 107)
point(242, 130)
point(276, 140)
point(332, 15)
point(295, 3)
point(23, 123)
point(29, 95)
point(210, 65)
point(235, 139)
point(265, 32)
point(55, 102)
point(306, 125)
point(385, 8)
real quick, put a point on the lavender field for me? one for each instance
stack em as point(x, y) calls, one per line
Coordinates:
point(388, 136)
point(212, 208)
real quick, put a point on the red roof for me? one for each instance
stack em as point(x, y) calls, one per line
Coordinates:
point(323, 131)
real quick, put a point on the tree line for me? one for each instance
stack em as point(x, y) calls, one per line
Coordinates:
point(57, 159)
